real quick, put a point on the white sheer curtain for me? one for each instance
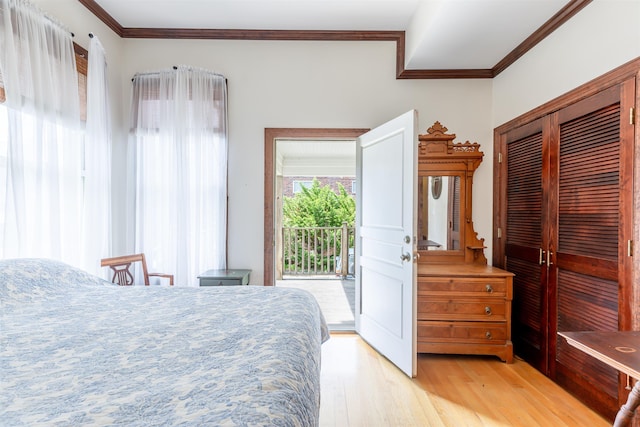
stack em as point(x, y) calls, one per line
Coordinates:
point(179, 132)
point(41, 189)
point(97, 177)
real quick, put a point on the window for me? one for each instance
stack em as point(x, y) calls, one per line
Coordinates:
point(4, 144)
point(298, 185)
point(27, 128)
point(179, 137)
point(40, 138)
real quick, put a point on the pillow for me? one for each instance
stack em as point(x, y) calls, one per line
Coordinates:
point(24, 279)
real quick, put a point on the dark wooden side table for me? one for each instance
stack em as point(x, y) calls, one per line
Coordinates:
point(224, 277)
point(620, 350)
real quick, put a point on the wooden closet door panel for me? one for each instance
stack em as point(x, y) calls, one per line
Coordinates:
point(585, 242)
point(524, 240)
point(587, 225)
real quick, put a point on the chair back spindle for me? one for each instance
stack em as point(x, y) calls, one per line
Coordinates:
point(122, 274)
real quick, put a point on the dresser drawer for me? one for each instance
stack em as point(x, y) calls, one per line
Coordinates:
point(478, 309)
point(464, 309)
point(472, 286)
point(220, 282)
point(463, 332)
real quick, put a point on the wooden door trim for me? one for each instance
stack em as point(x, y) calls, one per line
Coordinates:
point(270, 137)
point(628, 299)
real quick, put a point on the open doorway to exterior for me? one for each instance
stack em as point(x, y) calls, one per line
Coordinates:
point(318, 258)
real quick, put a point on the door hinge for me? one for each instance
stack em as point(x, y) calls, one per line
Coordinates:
point(499, 233)
point(499, 157)
point(632, 116)
point(629, 247)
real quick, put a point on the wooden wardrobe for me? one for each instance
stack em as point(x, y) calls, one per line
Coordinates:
point(564, 217)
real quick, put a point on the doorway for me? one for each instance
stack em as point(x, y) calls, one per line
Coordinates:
point(305, 154)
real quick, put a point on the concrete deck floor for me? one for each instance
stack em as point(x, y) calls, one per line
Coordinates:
point(336, 298)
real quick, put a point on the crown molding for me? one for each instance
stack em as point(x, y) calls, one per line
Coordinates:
point(402, 73)
point(572, 7)
point(222, 34)
point(566, 13)
point(102, 15)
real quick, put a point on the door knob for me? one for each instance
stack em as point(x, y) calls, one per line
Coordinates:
point(405, 256)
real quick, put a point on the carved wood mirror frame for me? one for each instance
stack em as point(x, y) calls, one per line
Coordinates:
point(439, 155)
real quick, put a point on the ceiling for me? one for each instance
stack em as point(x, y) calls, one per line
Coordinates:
point(440, 34)
point(315, 157)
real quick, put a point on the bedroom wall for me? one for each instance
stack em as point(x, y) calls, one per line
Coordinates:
point(602, 36)
point(308, 84)
point(348, 84)
point(280, 84)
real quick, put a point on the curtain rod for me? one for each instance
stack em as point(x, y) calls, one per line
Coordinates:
point(175, 67)
point(38, 10)
point(56, 22)
point(50, 18)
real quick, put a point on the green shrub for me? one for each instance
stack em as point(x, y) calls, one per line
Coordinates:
point(317, 206)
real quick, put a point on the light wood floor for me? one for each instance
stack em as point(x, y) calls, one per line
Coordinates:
point(362, 388)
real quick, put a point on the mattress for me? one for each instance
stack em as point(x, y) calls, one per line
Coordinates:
point(77, 350)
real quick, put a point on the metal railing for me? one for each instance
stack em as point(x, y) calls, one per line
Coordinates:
point(318, 250)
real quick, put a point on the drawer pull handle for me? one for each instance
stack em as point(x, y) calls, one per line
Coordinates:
point(487, 310)
point(488, 335)
point(489, 289)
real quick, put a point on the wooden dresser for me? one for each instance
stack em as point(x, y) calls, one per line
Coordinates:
point(464, 305)
point(464, 309)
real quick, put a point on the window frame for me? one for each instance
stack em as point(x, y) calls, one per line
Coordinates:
point(298, 184)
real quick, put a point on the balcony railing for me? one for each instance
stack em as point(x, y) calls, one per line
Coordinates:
point(318, 251)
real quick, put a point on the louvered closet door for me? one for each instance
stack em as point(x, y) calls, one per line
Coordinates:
point(587, 242)
point(567, 210)
point(524, 240)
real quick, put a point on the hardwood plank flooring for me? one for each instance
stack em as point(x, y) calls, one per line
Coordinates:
point(362, 388)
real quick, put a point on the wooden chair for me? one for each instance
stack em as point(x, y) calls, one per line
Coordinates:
point(123, 276)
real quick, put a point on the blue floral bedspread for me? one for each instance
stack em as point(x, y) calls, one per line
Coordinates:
point(77, 350)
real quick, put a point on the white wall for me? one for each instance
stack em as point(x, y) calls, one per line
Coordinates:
point(305, 84)
point(602, 36)
point(351, 84)
point(279, 84)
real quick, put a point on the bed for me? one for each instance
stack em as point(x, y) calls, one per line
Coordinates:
point(77, 350)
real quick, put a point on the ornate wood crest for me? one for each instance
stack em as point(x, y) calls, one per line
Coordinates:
point(439, 156)
point(436, 145)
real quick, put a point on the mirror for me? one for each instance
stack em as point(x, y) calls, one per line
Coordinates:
point(439, 213)
point(445, 181)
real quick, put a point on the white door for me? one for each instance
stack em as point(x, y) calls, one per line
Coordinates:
point(386, 221)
